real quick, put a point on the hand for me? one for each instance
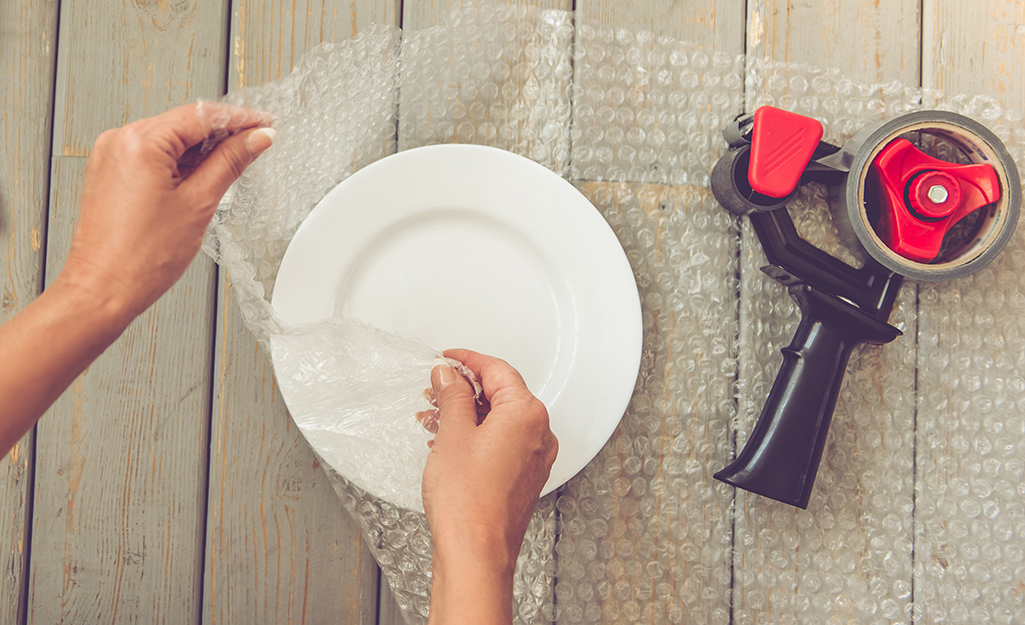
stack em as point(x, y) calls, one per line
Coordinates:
point(481, 485)
point(144, 208)
point(147, 198)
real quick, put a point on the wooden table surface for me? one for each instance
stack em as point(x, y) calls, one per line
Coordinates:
point(168, 484)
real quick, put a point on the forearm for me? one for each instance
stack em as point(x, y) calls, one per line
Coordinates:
point(472, 582)
point(45, 347)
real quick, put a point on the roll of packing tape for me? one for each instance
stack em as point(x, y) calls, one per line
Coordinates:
point(995, 223)
point(732, 189)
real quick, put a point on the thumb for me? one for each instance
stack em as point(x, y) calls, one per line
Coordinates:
point(457, 408)
point(227, 161)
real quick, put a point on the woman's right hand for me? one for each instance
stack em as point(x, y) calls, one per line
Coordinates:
point(481, 485)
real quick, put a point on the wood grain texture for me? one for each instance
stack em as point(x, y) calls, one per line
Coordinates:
point(650, 489)
point(869, 41)
point(268, 37)
point(848, 557)
point(388, 612)
point(718, 24)
point(682, 404)
point(118, 63)
point(427, 13)
point(975, 47)
point(27, 64)
point(120, 462)
point(971, 422)
point(121, 457)
point(280, 547)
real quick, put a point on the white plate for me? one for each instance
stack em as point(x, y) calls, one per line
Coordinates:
point(475, 247)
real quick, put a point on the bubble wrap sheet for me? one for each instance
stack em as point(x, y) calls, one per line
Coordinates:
point(918, 512)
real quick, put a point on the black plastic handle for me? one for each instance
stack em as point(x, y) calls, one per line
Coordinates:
point(782, 455)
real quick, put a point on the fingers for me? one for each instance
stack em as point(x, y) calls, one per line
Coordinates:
point(428, 419)
point(500, 381)
point(212, 177)
point(192, 123)
point(457, 408)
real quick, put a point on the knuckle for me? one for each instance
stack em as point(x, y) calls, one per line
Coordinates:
point(538, 411)
point(553, 448)
point(454, 393)
point(130, 140)
point(105, 139)
point(537, 423)
point(234, 162)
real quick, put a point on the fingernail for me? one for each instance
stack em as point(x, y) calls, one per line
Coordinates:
point(260, 139)
point(442, 376)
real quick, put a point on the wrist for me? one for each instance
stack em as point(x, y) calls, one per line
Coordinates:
point(108, 314)
point(471, 583)
point(472, 544)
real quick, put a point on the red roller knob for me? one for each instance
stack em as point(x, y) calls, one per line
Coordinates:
point(922, 198)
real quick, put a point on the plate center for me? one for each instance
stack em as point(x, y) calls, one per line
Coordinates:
point(455, 278)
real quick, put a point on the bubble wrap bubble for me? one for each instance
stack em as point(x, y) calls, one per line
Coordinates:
point(856, 553)
point(970, 509)
point(918, 511)
point(645, 533)
point(492, 76)
point(650, 109)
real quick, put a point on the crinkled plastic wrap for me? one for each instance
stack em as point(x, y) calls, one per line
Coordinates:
point(918, 506)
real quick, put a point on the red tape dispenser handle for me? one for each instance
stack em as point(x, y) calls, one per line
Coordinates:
point(782, 144)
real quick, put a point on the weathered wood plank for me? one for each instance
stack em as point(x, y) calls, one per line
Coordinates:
point(869, 42)
point(715, 25)
point(653, 479)
point(510, 119)
point(969, 562)
point(268, 37)
point(427, 13)
point(280, 546)
point(122, 457)
point(848, 557)
point(27, 65)
point(388, 612)
point(644, 530)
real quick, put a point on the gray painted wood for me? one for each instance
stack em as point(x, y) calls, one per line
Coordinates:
point(427, 13)
point(120, 470)
point(971, 425)
point(718, 24)
point(773, 581)
point(868, 41)
point(388, 611)
point(681, 431)
point(424, 14)
point(280, 547)
point(27, 63)
point(121, 458)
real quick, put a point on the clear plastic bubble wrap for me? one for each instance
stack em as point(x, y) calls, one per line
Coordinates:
point(918, 509)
